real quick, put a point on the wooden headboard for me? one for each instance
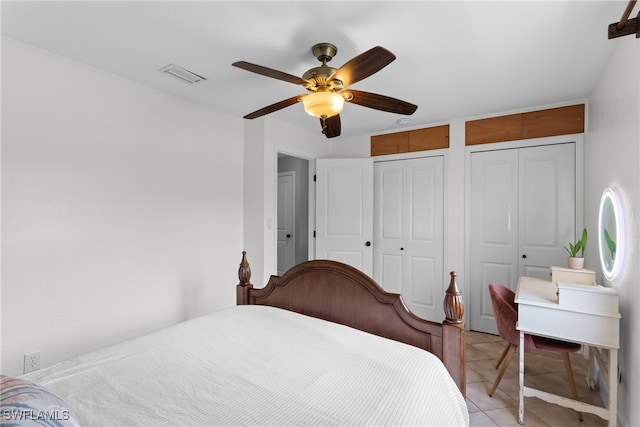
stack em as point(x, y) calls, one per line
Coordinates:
point(339, 293)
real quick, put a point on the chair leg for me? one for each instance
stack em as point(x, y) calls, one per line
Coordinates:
point(572, 383)
point(505, 364)
point(504, 353)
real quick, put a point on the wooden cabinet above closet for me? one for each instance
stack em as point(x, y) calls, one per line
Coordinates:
point(409, 141)
point(534, 124)
point(512, 127)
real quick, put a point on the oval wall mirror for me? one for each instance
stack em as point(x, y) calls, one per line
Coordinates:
point(610, 234)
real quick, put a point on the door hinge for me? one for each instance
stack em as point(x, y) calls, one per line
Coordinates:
point(314, 178)
point(314, 234)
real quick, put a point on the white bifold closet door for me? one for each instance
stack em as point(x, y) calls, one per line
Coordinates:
point(408, 242)
point(522, 212)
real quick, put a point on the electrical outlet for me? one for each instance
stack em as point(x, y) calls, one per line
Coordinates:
point(31, 362)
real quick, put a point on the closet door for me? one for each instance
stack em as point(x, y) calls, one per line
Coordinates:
point(494, 231)
point(408, 232)
point(547, 207)
point(389, 200)
point(522, 212)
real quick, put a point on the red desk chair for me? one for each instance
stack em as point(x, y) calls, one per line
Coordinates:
point(506, 313)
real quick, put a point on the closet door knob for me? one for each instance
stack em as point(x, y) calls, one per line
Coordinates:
point(523, 256)
point(368, 243)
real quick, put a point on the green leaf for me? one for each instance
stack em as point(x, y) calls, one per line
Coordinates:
point(611, 244)
point(579, 246)
point(583, 241)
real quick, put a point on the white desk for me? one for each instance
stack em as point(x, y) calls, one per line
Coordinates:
point(578, 313)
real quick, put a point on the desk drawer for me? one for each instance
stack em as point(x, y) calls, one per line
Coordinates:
point(592, 299)
point(594, 329)
point(568, 275)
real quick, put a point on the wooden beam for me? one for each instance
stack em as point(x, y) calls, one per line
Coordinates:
point(630, 27)
point(626, 26)
point(626, 14)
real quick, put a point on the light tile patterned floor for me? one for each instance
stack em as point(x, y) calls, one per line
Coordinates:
point(544, 370)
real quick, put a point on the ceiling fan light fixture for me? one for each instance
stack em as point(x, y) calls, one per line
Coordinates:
point(323, 104)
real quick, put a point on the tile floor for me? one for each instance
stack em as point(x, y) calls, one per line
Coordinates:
point(544, 370)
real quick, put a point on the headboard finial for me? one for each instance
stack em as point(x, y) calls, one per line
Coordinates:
point(453, 304)
point(244, 272)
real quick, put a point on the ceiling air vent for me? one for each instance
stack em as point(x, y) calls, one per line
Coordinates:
point(182, 74)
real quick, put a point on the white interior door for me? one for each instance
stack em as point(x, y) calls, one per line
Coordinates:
point(494, 230)
point(389, 182)
point(286, 221)
point(344, 211)
point(409, 232)
point(424, 244)
point(522, 211)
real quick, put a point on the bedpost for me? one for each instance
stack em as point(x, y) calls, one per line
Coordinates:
point(453, 334)
point(244, 274)
point(453, 304)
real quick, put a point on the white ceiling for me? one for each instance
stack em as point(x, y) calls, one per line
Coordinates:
point(454, 59)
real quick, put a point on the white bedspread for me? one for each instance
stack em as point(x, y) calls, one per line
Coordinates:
point(256, 365)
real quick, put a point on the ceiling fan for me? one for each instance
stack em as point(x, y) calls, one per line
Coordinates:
point(328, 86)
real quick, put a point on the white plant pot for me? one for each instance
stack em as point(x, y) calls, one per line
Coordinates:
point(575, 263)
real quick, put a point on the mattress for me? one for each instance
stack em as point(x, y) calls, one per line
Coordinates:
point(257, 365)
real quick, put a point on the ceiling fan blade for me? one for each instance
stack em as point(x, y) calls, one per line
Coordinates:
point(274, 107)
point(270, 72)
point(363, 65)
point(380, 102)
point(331, 126)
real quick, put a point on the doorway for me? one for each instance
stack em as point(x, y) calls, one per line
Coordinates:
point(292, 201)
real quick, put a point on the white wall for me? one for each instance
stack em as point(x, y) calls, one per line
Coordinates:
point(121, 207)
point(612, 156)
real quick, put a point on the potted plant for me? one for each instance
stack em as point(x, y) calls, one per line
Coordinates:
point(576, 261)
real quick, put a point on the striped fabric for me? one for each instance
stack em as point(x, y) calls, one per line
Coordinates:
point(23, 403)
point(256, 365)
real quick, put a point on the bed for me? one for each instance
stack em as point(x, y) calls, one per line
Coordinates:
point(321, 345)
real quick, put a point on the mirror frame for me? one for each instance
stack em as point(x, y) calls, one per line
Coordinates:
point(611, 197)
